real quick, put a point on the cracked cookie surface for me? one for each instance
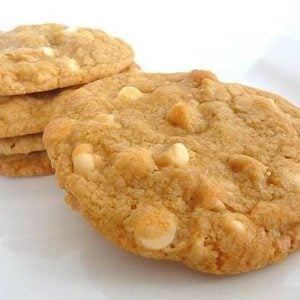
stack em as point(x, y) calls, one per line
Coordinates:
point(183, 167)
point(36, 58)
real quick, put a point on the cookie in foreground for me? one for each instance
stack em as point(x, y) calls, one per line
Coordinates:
point(183, 167)
point(35, 58)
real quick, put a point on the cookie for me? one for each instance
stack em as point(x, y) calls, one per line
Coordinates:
point(32, 164)
point(183, 167)
point(28, 114)
point(35, 58)
point(22, 144)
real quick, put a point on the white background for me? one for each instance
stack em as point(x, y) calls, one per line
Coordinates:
point(46, 250)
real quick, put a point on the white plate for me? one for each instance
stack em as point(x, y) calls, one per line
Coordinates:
point(47, 251)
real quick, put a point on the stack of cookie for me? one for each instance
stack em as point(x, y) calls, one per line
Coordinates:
point(183, 167)
point(40, 66)
point(179, 166)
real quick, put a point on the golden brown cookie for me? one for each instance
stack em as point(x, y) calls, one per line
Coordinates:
point(32, 164)
point(27, 114)
point(22, 144)
point(183, 167)
point(35, 58)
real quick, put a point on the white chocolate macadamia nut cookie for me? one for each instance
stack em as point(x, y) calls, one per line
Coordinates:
point(183, 167)
point(35, 58)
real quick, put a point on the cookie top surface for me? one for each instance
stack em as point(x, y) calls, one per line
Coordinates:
point(183, 167)
point(36, 58)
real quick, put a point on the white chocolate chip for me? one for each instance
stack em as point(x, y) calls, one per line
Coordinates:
point(160, 242)
point(240, 163)
point(71, 29)
point(215, 204)
point(153, 227)
point(287, 178)
point(135, 163)
point(209, 195)
point(179, 115)
point(130, 92)
point(83, 163)
point(83, 160)
point(210, 203)
point(294, 179)
point(176, 155)
point(72, 64)
point(47, 51)
point(154, 237)
point(234, 225)
point(237, 225)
